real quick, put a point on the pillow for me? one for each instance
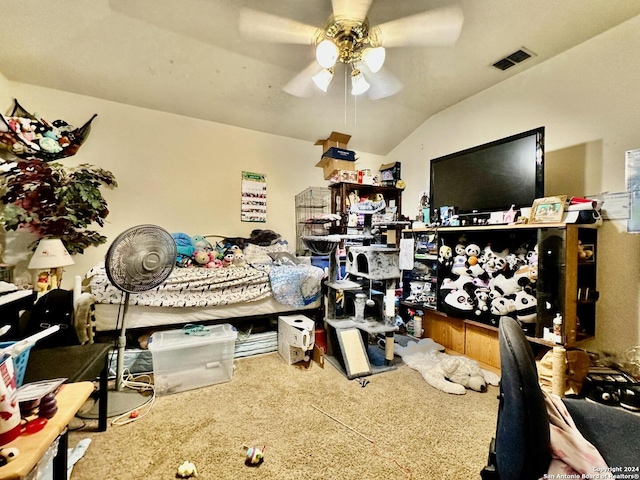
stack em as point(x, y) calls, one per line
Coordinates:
point(284, 258)
point(257, 254)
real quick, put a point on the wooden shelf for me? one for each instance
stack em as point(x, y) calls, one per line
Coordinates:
point(557, 291)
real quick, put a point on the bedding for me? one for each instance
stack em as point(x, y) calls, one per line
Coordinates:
point(189, 287)
point(191, 294)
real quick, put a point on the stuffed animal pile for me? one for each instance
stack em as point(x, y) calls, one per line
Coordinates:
point(450, 373)
point(487, 283)
point(27, 135)
point(197, 251)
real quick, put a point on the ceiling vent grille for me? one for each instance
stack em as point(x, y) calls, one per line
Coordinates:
point(513, 59)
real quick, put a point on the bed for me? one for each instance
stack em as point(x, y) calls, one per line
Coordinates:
point(272, 282)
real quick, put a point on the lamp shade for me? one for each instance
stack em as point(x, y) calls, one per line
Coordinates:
point(359, 84)
point(374, 58)
point(323, 78)
point(327, 53)
point(50, 254)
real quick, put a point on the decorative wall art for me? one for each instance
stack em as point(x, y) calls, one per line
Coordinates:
point(254, 197)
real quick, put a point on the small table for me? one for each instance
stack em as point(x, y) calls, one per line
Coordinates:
point(76, 363)
point(70, 398)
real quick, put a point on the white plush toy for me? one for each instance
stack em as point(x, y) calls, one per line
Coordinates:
point(449, 373)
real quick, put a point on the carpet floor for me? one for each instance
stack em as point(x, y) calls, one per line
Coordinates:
point(315, 424)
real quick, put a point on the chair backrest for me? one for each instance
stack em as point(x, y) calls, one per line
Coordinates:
point(53, 308)
point(522, 444)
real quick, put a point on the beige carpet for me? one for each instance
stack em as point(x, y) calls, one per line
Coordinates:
point(418, 432)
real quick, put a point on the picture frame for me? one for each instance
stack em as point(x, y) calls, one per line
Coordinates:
point(548, 209)
point(587, 253)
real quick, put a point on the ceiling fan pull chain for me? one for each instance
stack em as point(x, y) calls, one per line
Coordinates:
point(355, 109)
point(345, 96)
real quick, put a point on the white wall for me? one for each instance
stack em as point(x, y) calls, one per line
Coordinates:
point(177, 172)
point(588, 95)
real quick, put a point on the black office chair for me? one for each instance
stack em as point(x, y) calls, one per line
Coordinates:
point(521, 448)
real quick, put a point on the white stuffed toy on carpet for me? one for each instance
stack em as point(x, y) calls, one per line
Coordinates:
point(449, 373)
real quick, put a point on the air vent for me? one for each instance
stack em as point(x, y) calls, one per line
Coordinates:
point(513, 59)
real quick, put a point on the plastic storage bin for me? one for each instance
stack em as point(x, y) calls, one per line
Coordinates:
point(192, 358)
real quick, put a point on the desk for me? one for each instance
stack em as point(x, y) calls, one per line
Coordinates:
point(76, 363)
point(32, 447)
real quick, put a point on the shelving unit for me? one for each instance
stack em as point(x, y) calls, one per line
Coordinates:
point(340, 203)
point(566, 284)
point(420, 283)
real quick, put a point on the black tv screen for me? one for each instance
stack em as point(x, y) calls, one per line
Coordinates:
point(490, 177)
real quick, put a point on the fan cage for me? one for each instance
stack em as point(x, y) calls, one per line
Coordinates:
point(141, 258)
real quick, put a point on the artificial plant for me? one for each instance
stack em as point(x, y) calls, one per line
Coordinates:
point(51, 200)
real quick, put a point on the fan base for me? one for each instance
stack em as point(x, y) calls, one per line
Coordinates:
point(118, 403)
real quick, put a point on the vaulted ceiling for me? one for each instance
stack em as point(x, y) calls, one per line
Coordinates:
point(188, 57)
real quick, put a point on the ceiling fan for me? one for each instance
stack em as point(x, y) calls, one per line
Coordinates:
point(349, 39)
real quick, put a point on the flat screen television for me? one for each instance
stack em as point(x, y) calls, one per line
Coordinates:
point(490, 177)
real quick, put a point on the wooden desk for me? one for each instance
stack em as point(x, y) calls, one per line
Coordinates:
point(32, 447)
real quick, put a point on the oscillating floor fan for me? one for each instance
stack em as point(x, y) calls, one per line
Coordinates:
point(139, 259)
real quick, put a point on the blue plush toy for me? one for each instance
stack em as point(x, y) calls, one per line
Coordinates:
point(184, 246)
point(201, 243)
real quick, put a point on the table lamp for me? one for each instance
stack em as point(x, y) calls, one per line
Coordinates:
point(52, 256)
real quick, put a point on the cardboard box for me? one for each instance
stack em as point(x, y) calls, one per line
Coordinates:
point(184, 362)
point(296, 330)
point(330, 165)
point(336, 139)
point(293, 355)
point(296, 337)
point(340, 154)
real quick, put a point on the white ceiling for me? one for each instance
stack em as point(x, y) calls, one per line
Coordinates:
point(187, 57)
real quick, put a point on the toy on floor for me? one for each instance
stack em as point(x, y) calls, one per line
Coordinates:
point(449, 373)
point(186, 470)
point(255, 455)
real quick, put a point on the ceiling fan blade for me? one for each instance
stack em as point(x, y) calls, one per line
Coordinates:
point(256, 25)
point(352, 9)
point(302, 84)
point(439, 27)
point(383, 83)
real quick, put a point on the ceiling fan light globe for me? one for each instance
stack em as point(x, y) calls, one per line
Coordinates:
point(374, 58)
point(327, 53)
point(323, 78)
point(359, 84)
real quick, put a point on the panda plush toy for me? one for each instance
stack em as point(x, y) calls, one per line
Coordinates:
point(459, 302)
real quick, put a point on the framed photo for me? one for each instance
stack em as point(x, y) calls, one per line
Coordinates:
point(547, 209)
point(586, 252)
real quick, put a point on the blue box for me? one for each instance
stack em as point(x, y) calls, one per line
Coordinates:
point(322, 261)
point(340, 154)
